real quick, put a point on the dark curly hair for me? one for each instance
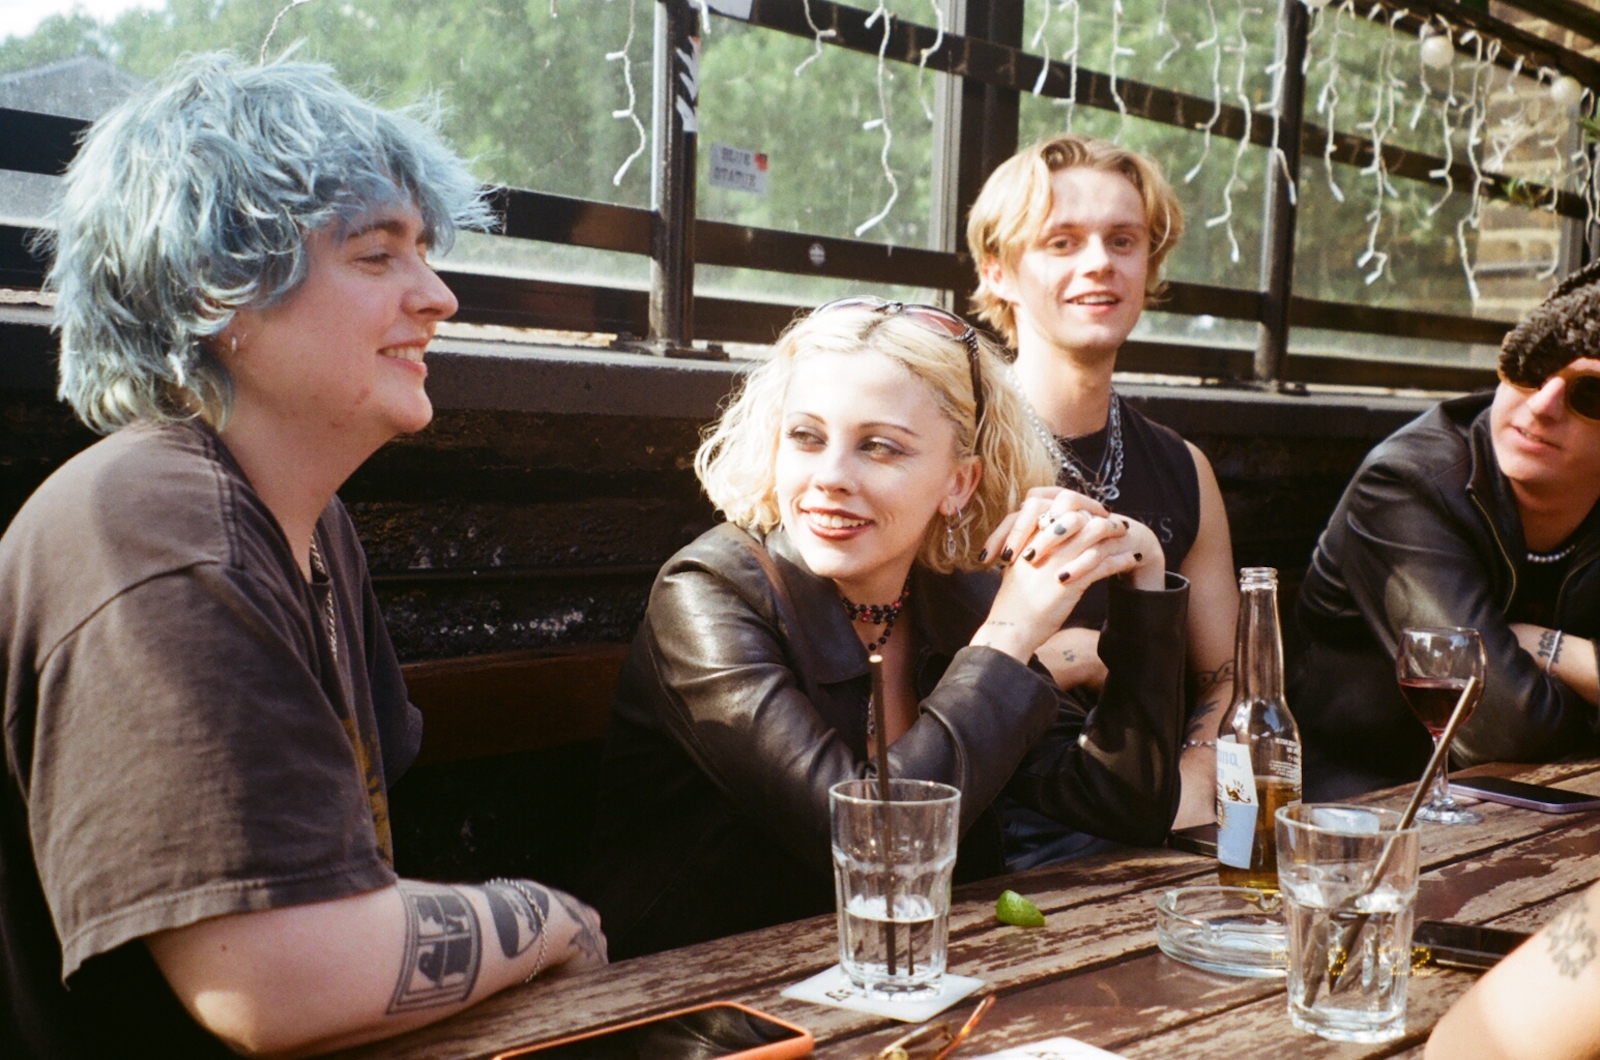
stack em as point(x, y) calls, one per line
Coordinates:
point(1566, 326)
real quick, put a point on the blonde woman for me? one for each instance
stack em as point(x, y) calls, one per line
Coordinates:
point(861, 471)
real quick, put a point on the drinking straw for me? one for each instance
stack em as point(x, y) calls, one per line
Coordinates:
point(1351, 933)
point(885, 797)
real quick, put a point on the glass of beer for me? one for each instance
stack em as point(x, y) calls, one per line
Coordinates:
point(1434, 666)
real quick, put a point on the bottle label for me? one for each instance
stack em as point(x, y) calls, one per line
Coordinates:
point(1285, 764)
point(1236, 803)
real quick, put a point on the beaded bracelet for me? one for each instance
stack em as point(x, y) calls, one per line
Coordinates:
point(544, 936)
point(1199, 743)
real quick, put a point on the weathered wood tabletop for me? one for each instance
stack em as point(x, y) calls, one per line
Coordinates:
point(1093, 972)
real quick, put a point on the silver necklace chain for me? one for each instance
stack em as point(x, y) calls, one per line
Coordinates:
point(319, 567)
point(1102, 486)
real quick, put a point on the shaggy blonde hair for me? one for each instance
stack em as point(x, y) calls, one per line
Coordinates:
point(737, 455)
point(1016, 200)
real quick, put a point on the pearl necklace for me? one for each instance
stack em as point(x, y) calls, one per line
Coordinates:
point(1552, 557)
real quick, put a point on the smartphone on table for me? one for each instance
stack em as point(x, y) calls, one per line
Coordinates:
point(1466, 945)
point(719, 1031)
point(1528, 796)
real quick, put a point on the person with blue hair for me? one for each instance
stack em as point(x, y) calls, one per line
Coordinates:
point(203, 711)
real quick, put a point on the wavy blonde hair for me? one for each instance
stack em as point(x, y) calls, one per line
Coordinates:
point(1016, 200)
point(737, 454)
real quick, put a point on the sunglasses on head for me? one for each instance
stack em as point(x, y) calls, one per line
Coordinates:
point(938, 320)
point(1582, 391)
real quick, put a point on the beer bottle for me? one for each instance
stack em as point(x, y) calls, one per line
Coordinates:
point(1258, 747)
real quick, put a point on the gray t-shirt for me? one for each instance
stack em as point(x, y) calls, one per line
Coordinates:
point(182, 739)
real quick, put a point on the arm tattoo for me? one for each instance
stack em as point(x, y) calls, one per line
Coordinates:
point(443, 948)
point(588, 941)
point(1206, 680)
point(517, 923)
point(1069, 656)
point(1550, 644)
point(1572, 941)
point(1200, 723)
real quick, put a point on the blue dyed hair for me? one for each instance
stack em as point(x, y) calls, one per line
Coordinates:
point(194, 199)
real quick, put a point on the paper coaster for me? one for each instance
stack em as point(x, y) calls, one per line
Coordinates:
point(1051, 1049)
point(833, 988)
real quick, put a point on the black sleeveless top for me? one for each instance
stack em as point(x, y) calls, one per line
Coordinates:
point(1160, 488)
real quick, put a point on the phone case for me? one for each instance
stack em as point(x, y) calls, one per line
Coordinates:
point(1466, 946)
point(788, 1049)
point(1529, 801)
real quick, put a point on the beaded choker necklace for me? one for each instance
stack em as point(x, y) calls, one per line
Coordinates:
point(877, 615)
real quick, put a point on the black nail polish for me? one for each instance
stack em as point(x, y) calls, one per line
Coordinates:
point(1123, 522)
point(983, 555)
point(1138, 557)
point(1064, 576)
point(1005, 557)
point(1028, 555)
point(1059, 529)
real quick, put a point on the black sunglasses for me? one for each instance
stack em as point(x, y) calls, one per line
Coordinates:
point(939, 320)
point(1582, 392)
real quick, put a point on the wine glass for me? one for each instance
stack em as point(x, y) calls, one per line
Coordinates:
point(1434, 666)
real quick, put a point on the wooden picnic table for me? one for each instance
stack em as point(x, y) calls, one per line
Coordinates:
point(1093, 972)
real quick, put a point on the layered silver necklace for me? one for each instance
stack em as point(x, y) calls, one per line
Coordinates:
point(1099, 483)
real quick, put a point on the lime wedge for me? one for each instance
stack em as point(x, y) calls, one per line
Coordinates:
point(1012, 908)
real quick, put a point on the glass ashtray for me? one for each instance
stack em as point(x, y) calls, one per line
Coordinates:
point(1230, 930)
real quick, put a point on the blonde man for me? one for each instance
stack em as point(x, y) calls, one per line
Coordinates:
point(1069, 237)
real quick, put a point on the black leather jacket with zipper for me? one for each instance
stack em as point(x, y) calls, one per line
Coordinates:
point(1427, 534)
point(744, 699)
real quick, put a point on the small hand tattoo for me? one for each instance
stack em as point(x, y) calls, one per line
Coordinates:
point(1069, 656)
point(588, 941)
point(1572, 941)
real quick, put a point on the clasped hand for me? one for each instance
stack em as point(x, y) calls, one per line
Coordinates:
point(1053, 548)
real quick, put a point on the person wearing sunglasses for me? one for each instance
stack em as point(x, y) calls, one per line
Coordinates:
point(860, 470)
point(1479, 513)
point(1069, 236)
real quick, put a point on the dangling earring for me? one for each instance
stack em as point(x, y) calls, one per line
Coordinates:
point(950, 533)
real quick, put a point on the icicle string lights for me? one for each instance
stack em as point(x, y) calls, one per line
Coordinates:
point(882, 121)
point(1379, 126)
point(633, 99)
point(1240, 47)
point(1038, 38)
point(1164, 29)
point(820, 35)
point(1118, 52)
point(922, 56)
point(1328, 97)
point(1214, 43)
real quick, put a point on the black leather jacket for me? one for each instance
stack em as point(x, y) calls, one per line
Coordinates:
point(1428, 534)
point(744, 699)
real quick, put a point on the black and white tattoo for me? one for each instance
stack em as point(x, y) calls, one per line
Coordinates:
point(1550, 645)
point(1572, 941)
point(1206, 680)
point(588, 941)
point(1202, 726)
point(516, 921)
point(1069, 656)
point(443, 948)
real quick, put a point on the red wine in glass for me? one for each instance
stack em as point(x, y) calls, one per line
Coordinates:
point(1432, 699)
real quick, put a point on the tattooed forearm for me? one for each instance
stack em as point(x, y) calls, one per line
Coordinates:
point(1572, 941)
point(1550, 645)
point(1206, 680)
point(588, 941)
point(443, 948)
point(516, 921)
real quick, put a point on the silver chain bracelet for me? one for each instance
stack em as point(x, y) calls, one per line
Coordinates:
point(533, 903)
